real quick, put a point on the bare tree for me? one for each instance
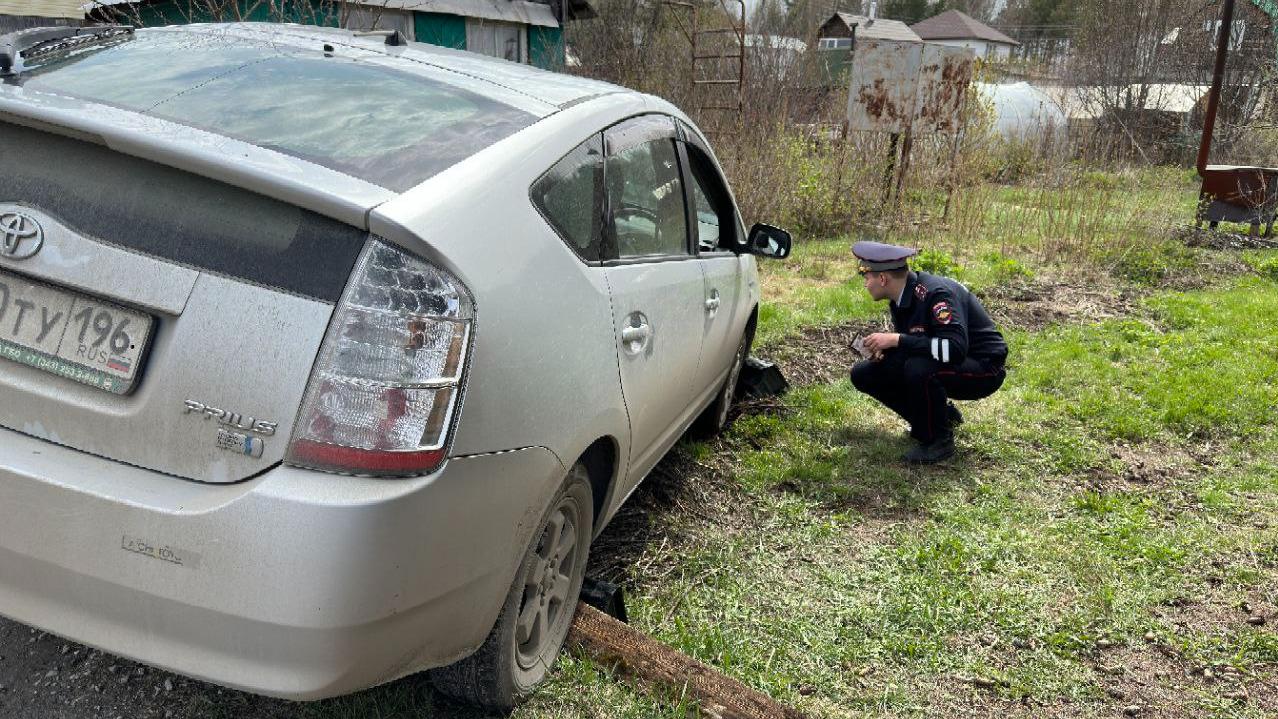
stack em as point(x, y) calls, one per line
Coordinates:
point(1142, 70)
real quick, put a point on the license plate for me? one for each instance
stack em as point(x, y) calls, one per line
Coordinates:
point(71, 334)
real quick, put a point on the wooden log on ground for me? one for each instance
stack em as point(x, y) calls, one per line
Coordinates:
point(608, 641)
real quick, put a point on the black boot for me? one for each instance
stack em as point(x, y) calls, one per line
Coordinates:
point(940, 449)
point(953, 414)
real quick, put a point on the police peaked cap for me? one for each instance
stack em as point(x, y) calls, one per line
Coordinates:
point(879, 257)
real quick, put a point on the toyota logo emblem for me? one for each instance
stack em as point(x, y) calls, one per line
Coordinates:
point(20, 236)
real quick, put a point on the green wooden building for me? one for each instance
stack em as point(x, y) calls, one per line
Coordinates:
point(526, 31)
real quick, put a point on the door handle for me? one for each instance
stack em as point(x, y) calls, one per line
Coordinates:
point(712, 304)
point(636, 335)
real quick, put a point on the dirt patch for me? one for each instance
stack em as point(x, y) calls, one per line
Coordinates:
point(1219, 611)
point(1152, 679)
point(1216, 240)
point(1035, 304)
point(1211, 268)
point(818, 355)
point(1143, 466)
point(1148, 680)
point(679, 498)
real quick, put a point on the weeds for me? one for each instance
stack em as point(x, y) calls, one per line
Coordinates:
point(1264, 264)
point(1150, 264)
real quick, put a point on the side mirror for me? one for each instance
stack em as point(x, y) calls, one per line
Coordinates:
point(769, 241)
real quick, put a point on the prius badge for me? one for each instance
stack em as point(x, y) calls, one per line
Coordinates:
point(20, 235)
point(239, 442)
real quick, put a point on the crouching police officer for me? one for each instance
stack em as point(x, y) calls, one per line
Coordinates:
point(945, 347)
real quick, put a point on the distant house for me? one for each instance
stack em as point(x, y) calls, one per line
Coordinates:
point(522, 31)
point(959, 29)
point(836, 37)
point(836, 33)
point(21, 14)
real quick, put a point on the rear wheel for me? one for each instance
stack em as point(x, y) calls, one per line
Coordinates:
point(715, 418)
point(538, 611)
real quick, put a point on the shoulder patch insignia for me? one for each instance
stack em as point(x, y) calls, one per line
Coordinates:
point(917, 329)
point(920, 291)
point(942, 312)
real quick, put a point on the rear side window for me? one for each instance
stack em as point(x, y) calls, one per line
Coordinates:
point(570, 197)
point(176, 216)
point(646, 201)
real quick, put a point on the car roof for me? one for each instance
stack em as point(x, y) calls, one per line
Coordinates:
point(556, 90)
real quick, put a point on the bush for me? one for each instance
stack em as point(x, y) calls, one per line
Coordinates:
point(1100, 180)
point(1267, 268)
point(1007, 270)
point(1150, 264)
point(937, 263)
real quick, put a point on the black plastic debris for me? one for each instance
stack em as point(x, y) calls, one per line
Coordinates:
point(606, 597)
point(761, 378)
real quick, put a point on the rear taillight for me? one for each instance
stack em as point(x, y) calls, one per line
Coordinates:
point(381, 397)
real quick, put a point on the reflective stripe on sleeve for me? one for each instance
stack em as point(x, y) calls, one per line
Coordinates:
point(945, 351)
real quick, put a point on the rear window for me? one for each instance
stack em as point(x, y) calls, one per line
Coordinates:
point(177, 216)
point(355, 115)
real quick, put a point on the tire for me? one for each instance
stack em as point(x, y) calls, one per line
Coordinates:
point(517, 655)
point(715, 417)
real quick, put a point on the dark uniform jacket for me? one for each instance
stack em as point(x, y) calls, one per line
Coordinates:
point(940, 318)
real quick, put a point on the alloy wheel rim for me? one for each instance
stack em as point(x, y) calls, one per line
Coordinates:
point(547, 585)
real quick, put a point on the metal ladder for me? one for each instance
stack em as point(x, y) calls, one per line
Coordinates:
point(718, 63)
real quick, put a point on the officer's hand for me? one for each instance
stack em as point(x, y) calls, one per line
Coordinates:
point(881, 341)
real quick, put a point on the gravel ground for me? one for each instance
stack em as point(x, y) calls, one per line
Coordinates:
point(43, 676)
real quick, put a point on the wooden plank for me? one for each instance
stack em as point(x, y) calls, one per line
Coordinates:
point(608, 641)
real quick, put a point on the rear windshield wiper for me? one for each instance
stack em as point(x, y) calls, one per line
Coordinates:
point(21, 45)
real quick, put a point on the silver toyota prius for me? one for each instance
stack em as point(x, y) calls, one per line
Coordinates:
point(324, 356)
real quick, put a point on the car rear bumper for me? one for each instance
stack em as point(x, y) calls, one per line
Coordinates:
point(294, 584)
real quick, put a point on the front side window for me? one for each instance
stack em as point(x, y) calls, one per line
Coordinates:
point(707, 220)
point(570, 197)
point(646, 201)
point(716, 227)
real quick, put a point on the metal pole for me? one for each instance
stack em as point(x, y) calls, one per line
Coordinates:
point(907, 145)
point(741, 39)
point(1217, 79)
point(890, 172)
point(953, 178)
